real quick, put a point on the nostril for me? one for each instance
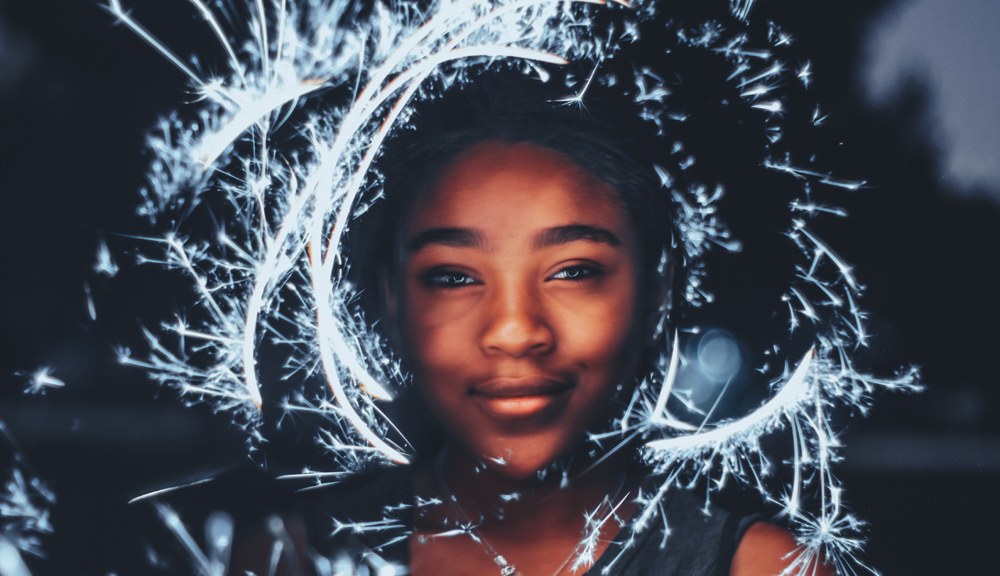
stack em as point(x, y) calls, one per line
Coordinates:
point(517, 337)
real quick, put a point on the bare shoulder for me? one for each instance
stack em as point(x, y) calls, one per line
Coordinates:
point(766, 550)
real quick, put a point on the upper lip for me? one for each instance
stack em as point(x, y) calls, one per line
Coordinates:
point(523, 386)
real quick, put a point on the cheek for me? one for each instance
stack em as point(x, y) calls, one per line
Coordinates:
point(436, 342)
point(601, 334)
point(606, 349)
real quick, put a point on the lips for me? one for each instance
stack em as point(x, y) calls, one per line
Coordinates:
point(520, 398)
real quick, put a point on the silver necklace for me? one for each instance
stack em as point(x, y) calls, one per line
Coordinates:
point(506, 568)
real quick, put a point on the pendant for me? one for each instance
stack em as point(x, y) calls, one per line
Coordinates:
point(505, 568)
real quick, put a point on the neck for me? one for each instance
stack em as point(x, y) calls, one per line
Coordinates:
point(558, 498)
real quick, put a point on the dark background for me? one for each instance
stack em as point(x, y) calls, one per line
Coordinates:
point(78, 94)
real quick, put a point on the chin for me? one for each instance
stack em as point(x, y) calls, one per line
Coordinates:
point(527, 459)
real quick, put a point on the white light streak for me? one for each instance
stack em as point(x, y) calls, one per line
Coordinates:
point(25, 505)
point(201, 563)
point(765, 417)
point(105, 264)
point(41, 380)
point(275, 273)
point(167, 490)
point(115, 7)
point(11, 563)
point(585, 554)
point(91, 308)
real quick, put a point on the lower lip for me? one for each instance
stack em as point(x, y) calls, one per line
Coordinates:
point(520, 407)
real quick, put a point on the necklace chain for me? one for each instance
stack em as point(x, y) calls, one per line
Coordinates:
point(506, 568)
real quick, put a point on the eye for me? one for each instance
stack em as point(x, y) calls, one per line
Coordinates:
point(577, 272)
point(448, 279)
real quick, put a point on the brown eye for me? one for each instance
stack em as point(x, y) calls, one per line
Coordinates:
point(577, 272)
point(448, 279)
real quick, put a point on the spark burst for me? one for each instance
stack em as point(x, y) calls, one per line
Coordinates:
point(275, 272)
point(41, 380)
point(25, 503)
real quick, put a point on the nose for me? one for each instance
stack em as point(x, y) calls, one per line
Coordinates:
point(516, 324)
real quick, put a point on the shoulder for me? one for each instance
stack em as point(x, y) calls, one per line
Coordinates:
point(362, 497)
point(696, 538)
point(373, 507)
point(767, 550)
point(325, 520)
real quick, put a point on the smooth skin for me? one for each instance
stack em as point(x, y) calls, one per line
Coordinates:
point(519, 267)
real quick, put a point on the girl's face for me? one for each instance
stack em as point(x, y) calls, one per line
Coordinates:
point(519, 303)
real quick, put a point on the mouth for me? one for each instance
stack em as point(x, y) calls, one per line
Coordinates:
point(521, 398)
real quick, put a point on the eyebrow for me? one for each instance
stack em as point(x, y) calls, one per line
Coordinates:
point(575, 233)
point(469, 238)
point(454, 237)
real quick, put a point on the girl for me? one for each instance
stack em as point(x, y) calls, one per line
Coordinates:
point(519, 258)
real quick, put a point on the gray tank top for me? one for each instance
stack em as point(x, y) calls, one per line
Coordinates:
point(700, 542)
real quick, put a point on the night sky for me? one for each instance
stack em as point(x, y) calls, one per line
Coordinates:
point(911, 88)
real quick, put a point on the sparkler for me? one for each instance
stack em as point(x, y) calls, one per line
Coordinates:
point(275, 272)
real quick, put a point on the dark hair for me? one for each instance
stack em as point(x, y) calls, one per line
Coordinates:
point(604, 135)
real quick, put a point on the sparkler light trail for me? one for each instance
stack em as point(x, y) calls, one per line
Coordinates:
point(25, 504)
point(275, 272)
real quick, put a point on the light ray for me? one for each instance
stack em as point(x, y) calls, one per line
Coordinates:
point(276, 272)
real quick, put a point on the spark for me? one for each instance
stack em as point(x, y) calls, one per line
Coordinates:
point(812, 208)
point(499, 460)
point(818, 119)
point(25, 506)
point(363, 527)
point(105, 264)
point(115, 7)
point(585, 554)
point(651, 87)
point(41, 380)
point(756, 91)
point(805, 75)
point(167, 490)
point(275, 273)
point(807, 308)
point(666, 180)
point(823, 248)
point(214, 561)
point(774, 70)
point(660, 416)
point(822, 178)
point(578, 98)
point(307, 473)
point(773, 106)
point(91, 309)
point(11, 563)
point(213, 23)
point(763, 418)
point(741, 8)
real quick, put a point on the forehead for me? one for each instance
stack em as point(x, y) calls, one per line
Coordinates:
point(504, 187)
